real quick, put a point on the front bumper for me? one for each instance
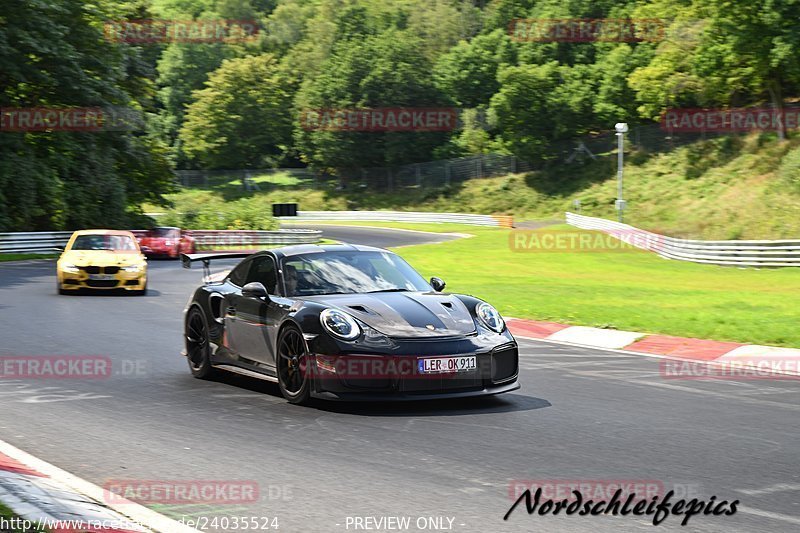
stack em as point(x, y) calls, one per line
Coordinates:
point(398, 377)
point(159, 251)
point(118, 279)
point(405, 397)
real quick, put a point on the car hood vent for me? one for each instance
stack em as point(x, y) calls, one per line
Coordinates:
point(406, 314)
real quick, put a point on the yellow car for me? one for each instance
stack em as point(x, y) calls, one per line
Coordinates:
point(102, 259)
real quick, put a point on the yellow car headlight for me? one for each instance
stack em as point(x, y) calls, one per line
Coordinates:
point(69, 268)
point(133, 268)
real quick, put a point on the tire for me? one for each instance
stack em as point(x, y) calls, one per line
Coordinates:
point(198, 352)
point(60, 290)
point(292, 358)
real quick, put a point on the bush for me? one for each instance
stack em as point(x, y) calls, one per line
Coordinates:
point(249, 213)
point(204, 210)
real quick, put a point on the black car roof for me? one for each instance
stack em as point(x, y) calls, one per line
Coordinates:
point(288, 251)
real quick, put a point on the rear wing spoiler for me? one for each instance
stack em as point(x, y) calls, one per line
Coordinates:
point(188, 259)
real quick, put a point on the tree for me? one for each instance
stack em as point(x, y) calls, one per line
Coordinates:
point(183, 69)
point(378, 71)
point(468, 71)
point(242, 119)
point(53, 54)
point(721, 53)
point(540, 104)
point(440, 24)
point(750, 48)
point(616, 99)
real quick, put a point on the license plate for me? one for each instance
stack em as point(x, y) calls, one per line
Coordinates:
point(102, 277)
point(441, 365)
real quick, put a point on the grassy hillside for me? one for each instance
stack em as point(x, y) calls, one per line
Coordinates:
point(635, 290)
point(725, 188)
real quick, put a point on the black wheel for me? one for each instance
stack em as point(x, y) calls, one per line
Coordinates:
point(197, 348)
point(59, 289)
point(293, 377)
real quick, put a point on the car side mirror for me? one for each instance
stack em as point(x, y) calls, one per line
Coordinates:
point(254, 289)
point(438, 284)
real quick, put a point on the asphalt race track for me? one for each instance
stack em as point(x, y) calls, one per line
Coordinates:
point(581, 414)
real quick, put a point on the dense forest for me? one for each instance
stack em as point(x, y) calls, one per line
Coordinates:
point(234, 101)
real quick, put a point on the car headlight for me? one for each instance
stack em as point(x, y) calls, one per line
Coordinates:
point(132, 268)
point(340, 324)
point(490, 317)
point(69, 268)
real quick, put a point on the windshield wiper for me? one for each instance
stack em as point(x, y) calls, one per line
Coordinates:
point(396, 289)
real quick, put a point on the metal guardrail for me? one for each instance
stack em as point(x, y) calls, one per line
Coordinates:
point(214, 239)
point(757, 253)
point(402, 216)
point(33, 242)
point(49, 242)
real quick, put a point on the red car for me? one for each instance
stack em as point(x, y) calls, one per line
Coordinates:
point(166, 242)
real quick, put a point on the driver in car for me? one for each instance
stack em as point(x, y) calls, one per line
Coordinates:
point(290, 276)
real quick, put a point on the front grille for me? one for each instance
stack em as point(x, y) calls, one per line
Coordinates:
point(461, 381)
point(504, 364)
point(101, 283)
point(100, 270)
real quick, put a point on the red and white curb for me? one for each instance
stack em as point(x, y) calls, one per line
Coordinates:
point(750, 356)
point(46, 495)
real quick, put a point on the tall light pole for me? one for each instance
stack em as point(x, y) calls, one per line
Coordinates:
point(622, 129)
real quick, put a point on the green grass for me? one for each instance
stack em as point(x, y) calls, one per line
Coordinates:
point(725, 188)
point(22, 257)
point(634, 290)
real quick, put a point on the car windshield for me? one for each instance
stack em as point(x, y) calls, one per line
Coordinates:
point(349, 272)
point(117, 243)
point(164, 232)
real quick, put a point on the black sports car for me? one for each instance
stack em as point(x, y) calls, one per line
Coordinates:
point(345, 322)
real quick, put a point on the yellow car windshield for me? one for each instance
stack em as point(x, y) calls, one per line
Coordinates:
point(116, 243)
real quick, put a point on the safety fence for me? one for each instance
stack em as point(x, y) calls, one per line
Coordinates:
point(756, 253)
point(439, 173)
point(33, 242)
point(49, 242)
point(562, 155)
point(230, 239)
point(402, 216)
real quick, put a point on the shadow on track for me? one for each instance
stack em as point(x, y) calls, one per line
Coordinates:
point(110, 293)
point(505, 403)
